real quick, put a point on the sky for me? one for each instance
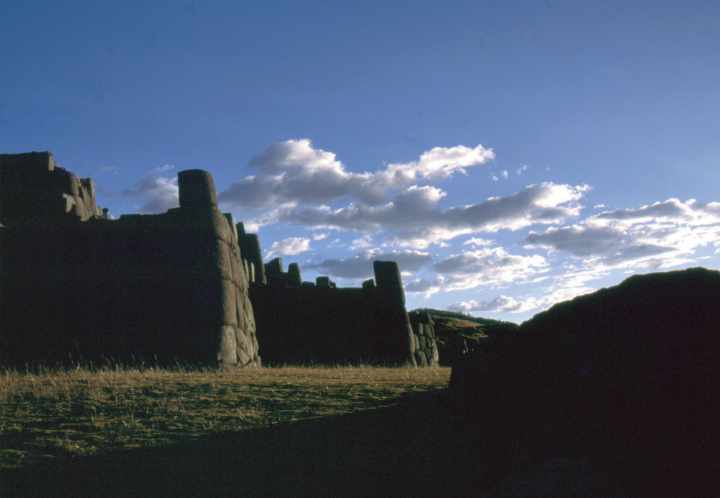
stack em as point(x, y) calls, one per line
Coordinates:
point(509, 155)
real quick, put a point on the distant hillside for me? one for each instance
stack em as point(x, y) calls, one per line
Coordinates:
point(628, 375)
point(486, 324)
point(459, 334)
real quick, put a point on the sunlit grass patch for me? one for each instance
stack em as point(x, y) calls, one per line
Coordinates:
point(70, 413)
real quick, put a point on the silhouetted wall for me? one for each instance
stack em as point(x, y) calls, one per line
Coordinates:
point(33, 187)
point(158, 288)
point(306, 323)
point(75, 285)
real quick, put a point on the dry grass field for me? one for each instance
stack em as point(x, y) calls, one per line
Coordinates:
point(291, 431)
point(61, 414)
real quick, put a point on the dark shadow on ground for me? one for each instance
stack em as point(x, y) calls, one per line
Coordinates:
point(413, 449)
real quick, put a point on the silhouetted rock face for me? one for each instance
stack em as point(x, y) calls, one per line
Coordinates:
point(156, 288)
point(628, 375)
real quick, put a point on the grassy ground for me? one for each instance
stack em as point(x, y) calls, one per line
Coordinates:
point(320, 432)
point(63, 414)
point(265, 432)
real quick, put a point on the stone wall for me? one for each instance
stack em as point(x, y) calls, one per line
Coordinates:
point(156, 288)
point(424, 339)
point(252, 257)
point(34, 188)
point(78, 286)
point(306, 322)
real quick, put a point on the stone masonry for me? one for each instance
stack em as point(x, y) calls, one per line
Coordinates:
point(184, 286)
point(317, 322)
point(77, 286)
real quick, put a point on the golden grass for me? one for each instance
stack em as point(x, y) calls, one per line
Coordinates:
point(61, 414)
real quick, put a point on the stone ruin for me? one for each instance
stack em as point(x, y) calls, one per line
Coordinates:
point(318, 322)
point(188, 285)
point(424, 338)
point(78, 286)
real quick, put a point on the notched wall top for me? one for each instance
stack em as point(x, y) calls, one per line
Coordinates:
point(33, 188)
point(306, 322)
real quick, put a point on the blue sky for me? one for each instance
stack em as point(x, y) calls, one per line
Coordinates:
point(507, 154)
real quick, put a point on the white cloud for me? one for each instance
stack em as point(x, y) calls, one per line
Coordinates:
point(319, 236)
point(415, 217)
point(304, 185)
point(499, 304)
point(522, 169)
point(671, 209)
point(289, 247)
point(155, 191)
point(566, 287)
point(426, 286)
point(364, 242)
point(478, 242)
point(438, 163)
point(504, 174)
point(360, 265)
point(579, 240)
point(295, 171)
point(653, 237)
point(658, 235)
point(488, 266)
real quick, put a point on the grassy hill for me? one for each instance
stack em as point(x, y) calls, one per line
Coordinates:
point(460, 320)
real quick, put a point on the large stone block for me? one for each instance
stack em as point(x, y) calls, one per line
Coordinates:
point(274, 268)
point(420, 358)
point(228, 351)
point(196, 189)
point(387, 277)
point(250, 249)
point(30, 165)
point(368, 284)
point(294, 278)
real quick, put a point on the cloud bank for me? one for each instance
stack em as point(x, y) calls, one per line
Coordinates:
point(295, 172)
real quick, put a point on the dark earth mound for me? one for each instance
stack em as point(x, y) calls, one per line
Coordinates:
point(627, 376)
